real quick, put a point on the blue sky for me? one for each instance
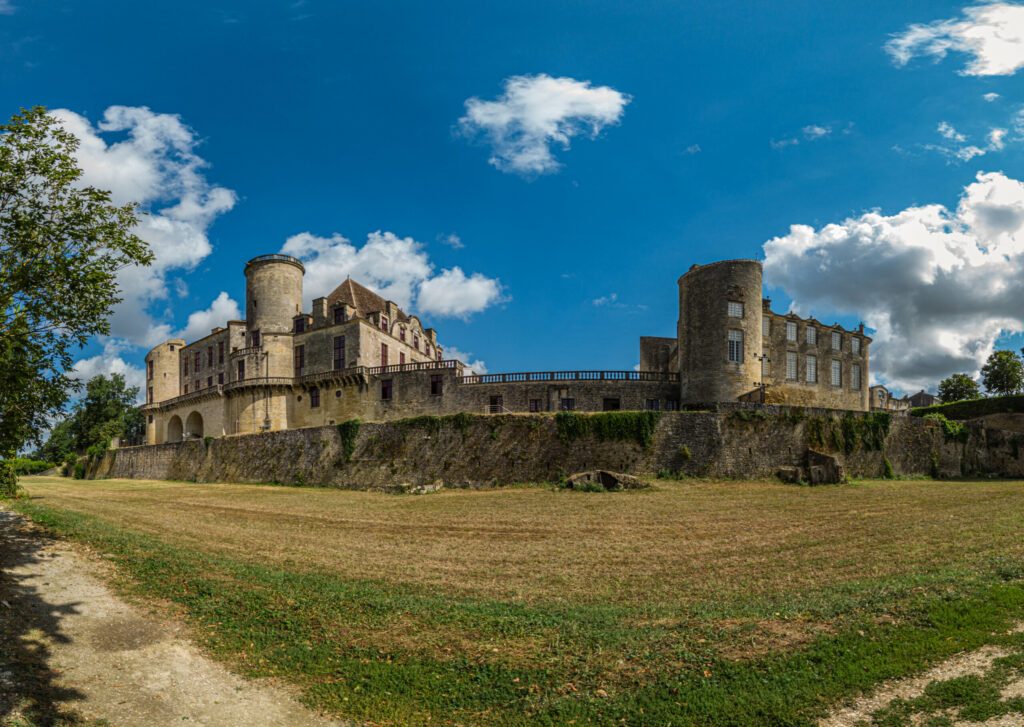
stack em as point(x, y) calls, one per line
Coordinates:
point(718, 126)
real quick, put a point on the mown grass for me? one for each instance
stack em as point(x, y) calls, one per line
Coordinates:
point(417, 645)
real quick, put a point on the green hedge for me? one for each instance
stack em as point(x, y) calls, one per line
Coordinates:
point(23, 466)
point(972, 408)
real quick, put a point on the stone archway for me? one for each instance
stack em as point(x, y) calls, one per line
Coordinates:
point(174, 429)
point(194, 426)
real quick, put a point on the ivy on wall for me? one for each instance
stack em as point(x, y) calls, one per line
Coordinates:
point(348, 431)
point(637, 426)
point(849, 432)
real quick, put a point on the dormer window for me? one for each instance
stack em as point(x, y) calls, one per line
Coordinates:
point(339, 314)
point(416, 341)
point(300, 325)
point(384, 323)
point(401, 335)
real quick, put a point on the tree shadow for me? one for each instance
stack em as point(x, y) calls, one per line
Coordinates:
point(29, 624)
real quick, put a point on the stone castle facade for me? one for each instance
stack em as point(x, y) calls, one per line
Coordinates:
point(357, 355)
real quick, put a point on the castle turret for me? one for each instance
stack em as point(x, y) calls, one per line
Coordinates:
point(163, 381)
point(719, 331)
point(273, 296)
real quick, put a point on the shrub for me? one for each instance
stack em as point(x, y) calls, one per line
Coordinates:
point(887, 471)
point(348, 432)
point(8, 480)
point(69, 464)
point(23, 466)
point(80, 470)
point(973, 408)
point(850, 432)
point(685, 453)
point(956, 431)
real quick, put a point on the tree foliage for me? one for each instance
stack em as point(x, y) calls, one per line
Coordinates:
point(106, 411)
point(1003, 373)
point(61, 247)
point(958, 387)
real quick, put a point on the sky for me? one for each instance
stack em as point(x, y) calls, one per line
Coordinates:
point(531, 178)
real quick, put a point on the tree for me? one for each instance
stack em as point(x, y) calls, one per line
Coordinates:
point(61, 247)
point(1003, 373)
point(106, 411)
point(958, 387)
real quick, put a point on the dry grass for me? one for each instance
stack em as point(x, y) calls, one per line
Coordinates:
point(678, 543)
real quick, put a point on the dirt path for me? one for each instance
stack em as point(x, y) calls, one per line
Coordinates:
point(71, 650)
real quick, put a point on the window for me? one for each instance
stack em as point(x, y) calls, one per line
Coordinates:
point(535, 405)
point(401, 358)
point(611, 405)
point(652, 404)
point(812, 370)
point(209, 381)
point(735, 309)
point(766, 366)
point(314, 398)
point(791, 331)
point(149, 395)
point(812, 335)
point(150, 418)
point(220, 378)
point(209, 357)
point(791, 365)
point(401, 335)
point(766, 326)
point(384, 323)
point(339, 353)
point(567, 404)
point(149, 370)
point(855, 346)
point(383, 354)
point(186, 388)
point(837, 373)
point(439, 354)
point(220, 353)
point(241, 370)
point(339, 314)
point(197, 360)
point(196, 386)
point(254, 338)
point(300, 325)
point(837, 341)
point(855, 377)
point(184, 371)
point(385, 390)
point(416, 341)
point(300, 359)
point(735, 346)
point(436, 384)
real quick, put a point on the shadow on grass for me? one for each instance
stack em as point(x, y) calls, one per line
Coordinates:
point(29, 689)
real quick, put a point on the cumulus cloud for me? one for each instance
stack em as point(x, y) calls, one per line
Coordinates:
point(475, 367)
point(939, 286)
point(535, 112)
point(814, 131)
point(111, 361)
point(452, 240)
point(991, 33)
point(397, 268)
point(990, 96)
point(201, 322)
point(149, 158)
point(948, 132)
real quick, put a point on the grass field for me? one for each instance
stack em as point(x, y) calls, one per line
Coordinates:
point(690, 603)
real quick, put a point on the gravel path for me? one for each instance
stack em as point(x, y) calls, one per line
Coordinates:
point(71, 650)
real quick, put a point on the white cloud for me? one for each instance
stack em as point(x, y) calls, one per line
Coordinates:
point(202, 322)
point(813, 131)
point(783, 143)
point(452, 240)
point(397, 268)
point(609, 299)
point(948, 132)
point(693, 149)
point(109, 362)
point(152, 162)
point(992, 33)
point(996, 139)
point(535, 112)
point(939, 286)
point(452, 293)
point(991, 96)
point(453, 354)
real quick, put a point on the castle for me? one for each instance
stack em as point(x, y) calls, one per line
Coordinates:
point(357, 355)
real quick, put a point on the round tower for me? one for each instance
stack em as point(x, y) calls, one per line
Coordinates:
point(163, 382)
point(273, 297)
point(719, 331)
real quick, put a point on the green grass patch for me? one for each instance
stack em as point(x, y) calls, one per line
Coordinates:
point(369, 650)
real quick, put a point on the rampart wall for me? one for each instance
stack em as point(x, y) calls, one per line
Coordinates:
point(477, 450)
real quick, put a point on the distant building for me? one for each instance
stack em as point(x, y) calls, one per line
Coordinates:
point(358, 355)
point(883, 400)
point(923, 398)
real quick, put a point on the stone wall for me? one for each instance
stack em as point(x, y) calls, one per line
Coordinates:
point(467, 450)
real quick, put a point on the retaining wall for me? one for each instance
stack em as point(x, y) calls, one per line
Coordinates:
point(467, 450)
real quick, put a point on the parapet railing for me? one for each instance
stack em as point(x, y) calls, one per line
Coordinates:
point(197, 394)
point(570, 376)
point(418, 366)
point(260, 381)
point(246, 351)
